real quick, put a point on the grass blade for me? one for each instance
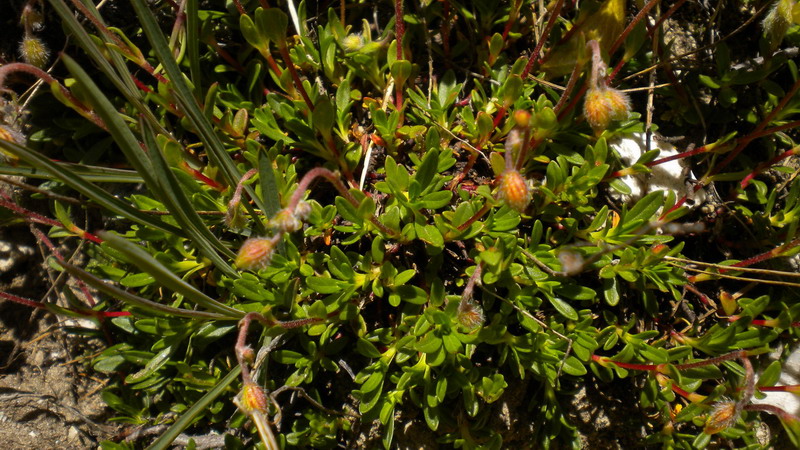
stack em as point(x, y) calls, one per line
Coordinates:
point(135, 300)
point(166, 277)
point(90, 190)
point(188, 417)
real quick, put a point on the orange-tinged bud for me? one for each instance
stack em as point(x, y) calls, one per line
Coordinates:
point(256, 253)
point(514, 190)
point(522, 118)
point(253, 398)
point(33, 51)
point(722, 416)
point(603, 105)
point(11, 135)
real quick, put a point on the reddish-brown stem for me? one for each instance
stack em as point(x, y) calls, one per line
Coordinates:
point(512, 18)
point(241, 348)
point(38, 218)
point(239, 7)
point(141, 62)
point(44, 76)
point(399, 27)
point(762, 322)
point(783, 415)
point(400, 30)
point(473, 157)
point(237, 195)
point(761, 167)
point(22, 300)
point(643, 12)
point(498, 117)
point(773, 130)
point(534, 57)
point(793, 388)
point(742, 144)
point(474, 217)
point(295, 76)
point(775, 252)
point(311, 175)
point(54, 250)
point(574, 101)
point(39, 305)
point(742, 354)
point(232, 62)
point(573, 80)
point(466, 296)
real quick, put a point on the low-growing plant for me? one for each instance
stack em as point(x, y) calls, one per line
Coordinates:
point(421, 219)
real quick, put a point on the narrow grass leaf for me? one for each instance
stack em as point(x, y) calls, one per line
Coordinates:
point(165, 276)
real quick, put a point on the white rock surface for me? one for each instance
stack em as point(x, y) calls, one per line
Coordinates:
point(672, 176)
point(789, 376)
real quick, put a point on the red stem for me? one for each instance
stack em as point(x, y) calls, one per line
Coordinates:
point(545, 34)
point(295, 77)
point(311, 175)
point(631, 25)
point(768, 164)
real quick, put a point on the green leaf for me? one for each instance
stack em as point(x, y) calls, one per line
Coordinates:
point(563, 308)
point(322, 285)
point(165, 276)
point(200, 407)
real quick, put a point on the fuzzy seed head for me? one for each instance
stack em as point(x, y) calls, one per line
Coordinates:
point(255, 253)
point(722, 416)
point(514, 190)
point(352, 42)
point(470, 314)
point(603, 105)
point(33, 51)
point(252, 398)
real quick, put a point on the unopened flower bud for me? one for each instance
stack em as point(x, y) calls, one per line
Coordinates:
point(285, 221)
point(302, 210)
point(252, 398)
point(722, 416)
point(33, 51)
point(777, 21)
point(11, 135)
point(603, 105)
point(256, 253)
point(352, 42)
point(470, 314)
point(522, 118)
point(248, 354)
point(514, 190)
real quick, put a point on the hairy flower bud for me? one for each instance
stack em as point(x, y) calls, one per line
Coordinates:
point(285, 221)
point(777, 22)
point(514, 190)
point(256, 253)
point(352, 42)
point(470, 314)
point(33, 51)
point(252, 398)
point(722, 416)
point(604, 104)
